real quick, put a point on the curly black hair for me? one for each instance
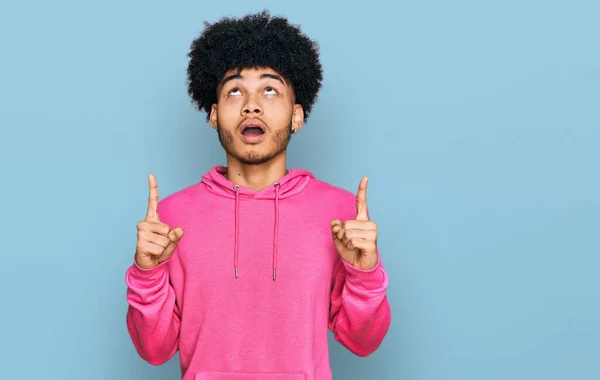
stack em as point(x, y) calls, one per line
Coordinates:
point(256, 40)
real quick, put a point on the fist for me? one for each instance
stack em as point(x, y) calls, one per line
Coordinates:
point(156, 241)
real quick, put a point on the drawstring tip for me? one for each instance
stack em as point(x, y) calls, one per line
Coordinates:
point(274, 274)
point(236, 272)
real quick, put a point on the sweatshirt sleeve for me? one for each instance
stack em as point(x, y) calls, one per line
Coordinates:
point(360, 314)
point(153, 319)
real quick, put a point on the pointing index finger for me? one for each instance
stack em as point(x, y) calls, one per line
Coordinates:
point(361, 200)
point(152, 198)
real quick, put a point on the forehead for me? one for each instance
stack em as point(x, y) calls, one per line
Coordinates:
point(251, 74)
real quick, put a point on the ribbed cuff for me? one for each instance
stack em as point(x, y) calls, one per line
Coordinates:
point(149, 274)
point(372, 279)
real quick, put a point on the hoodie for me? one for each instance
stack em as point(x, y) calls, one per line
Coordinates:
point(255, 283)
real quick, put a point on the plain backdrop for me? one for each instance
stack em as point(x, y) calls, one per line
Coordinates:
point(477, 122)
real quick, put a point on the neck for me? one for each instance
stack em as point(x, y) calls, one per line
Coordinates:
point(256, 177)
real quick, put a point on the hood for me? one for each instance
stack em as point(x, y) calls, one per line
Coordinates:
point(289, 185)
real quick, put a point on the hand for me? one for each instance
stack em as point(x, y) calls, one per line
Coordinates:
point(156, 241)
point(356, 240)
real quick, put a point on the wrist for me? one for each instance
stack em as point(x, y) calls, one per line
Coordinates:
point(144, 262)
point(366, 262)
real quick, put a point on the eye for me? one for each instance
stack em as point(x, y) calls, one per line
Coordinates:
point(271, 91)
point(234, 91)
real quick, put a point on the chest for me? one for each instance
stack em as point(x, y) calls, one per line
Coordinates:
point(258, 238)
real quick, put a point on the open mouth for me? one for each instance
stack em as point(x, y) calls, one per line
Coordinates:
point(252, 130)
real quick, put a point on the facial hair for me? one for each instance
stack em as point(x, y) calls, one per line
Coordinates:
point(280, 139)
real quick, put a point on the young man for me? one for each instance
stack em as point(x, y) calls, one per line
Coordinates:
point(244, 272)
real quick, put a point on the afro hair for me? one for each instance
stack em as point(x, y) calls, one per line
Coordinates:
point(256, 40)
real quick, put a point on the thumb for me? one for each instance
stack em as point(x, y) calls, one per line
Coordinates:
point(336, 226)
point(175, 235)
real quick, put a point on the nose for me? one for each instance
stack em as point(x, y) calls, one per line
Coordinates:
point(252, 106)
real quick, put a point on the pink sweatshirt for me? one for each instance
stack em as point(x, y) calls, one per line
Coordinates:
point(255, 283)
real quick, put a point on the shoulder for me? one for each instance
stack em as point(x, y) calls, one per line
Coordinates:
point(179, 201)
point(329, 190)
point(332, 197)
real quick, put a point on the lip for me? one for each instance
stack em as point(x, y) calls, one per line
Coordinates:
point(252, 123)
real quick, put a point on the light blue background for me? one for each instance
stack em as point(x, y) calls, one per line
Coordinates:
point(477, 122)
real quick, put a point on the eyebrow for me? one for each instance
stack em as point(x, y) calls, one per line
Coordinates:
point(263, 76)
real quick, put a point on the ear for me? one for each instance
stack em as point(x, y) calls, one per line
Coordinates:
point(297, 117)
point(213, 116)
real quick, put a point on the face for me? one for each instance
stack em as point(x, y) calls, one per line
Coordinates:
point(255, 114)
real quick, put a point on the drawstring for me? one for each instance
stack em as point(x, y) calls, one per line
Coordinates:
point(276, 232)
point(236, 188)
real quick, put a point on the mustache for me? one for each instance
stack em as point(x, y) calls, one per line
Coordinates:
point(290, 126)
point(252, 118)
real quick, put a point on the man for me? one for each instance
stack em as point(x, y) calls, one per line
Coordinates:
point(244, 272)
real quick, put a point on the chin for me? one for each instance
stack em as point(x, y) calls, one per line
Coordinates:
point(255, 160)
point(251, 156)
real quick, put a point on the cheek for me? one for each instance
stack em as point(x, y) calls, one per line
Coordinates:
point(279, 113)
point(228, 113)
